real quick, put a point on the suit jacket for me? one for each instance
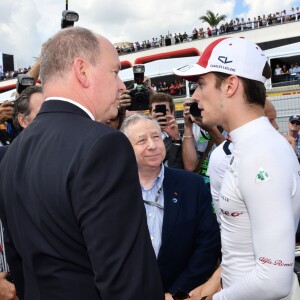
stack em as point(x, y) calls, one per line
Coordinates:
point(73, 213)
point(190, 234)
point(3, 150)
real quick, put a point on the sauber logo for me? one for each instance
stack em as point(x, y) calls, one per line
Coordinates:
point(224, 60)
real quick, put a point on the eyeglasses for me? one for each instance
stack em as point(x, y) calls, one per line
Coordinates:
point(295, 123)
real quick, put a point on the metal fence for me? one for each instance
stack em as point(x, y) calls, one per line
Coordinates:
point(286, 100)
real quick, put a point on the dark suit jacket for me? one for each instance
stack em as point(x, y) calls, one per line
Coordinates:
point(3, 150)
point(73, 212)
point(190, 234)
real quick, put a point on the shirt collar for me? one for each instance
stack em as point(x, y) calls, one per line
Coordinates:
point(74, 103)
point(158, 181)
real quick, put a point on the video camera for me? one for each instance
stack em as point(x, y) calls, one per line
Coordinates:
point(140, 94)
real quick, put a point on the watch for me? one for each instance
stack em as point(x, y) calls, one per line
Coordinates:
point(177, 142)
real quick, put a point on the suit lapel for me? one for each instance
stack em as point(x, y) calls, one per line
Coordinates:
point(172, 203)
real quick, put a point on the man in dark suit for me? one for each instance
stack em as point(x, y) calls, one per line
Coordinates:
point(70, 199)
point(183, 229)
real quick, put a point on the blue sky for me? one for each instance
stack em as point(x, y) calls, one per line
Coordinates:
point(240, 7)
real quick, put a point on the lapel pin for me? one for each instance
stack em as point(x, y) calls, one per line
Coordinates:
point(174, 200)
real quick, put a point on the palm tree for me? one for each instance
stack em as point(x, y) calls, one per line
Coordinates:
point(212, 19)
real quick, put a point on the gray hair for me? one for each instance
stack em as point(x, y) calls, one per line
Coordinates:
point(133, 120)
point(59, 52)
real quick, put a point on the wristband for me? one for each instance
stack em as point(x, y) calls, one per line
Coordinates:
point(188, 137)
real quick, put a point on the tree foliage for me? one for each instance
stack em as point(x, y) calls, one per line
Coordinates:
point(212, 19)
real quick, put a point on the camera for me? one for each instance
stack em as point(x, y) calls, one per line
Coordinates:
point(23, 81)
point(195, 111)
point(140, 94)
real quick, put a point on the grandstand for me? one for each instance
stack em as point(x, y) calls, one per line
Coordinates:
point(281, 43)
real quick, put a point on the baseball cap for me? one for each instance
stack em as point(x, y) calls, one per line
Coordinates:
point(295, 118)
point(236, 56)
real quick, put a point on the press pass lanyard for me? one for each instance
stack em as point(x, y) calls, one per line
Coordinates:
point(155, 202)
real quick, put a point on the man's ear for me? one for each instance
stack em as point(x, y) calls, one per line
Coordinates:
point(231, 85)
point(80, 66)
point(22, 120)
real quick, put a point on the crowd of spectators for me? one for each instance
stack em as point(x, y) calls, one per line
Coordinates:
point(13, 74)
point(286, 72)
point(174, 88)
point(238, 24)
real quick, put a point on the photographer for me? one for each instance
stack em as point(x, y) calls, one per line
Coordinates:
point(27, 105)
point(162, 109)
point(137, 99)
point(8, 132)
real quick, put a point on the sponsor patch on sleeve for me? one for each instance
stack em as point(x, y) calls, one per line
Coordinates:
point(262, 176)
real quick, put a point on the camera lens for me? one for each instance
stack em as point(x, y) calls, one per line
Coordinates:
point(139, 99)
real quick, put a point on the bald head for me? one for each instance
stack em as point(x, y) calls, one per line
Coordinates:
point(271, 114)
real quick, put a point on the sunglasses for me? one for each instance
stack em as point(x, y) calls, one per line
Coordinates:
point(295, 123)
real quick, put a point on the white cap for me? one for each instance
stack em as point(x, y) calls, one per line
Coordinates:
point(236, 56)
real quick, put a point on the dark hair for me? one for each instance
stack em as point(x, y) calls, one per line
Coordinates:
point(254, 91)
point(159, 98)
point(22, 104)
